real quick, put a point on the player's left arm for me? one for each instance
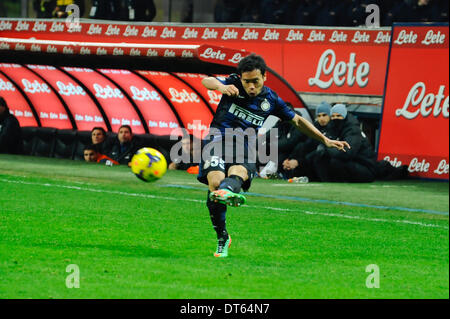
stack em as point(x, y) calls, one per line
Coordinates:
point(307, 128)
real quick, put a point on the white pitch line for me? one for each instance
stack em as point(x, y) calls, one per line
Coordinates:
point(376, 219)
point(102, 191)
point(393, 186)
point(296, 185)
point(408, 222)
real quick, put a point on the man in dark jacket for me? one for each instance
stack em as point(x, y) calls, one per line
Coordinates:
point(358, 164)
point(99, 139)
point(141, 10)
point(298, 161)
point(10, 132)
point(289, 137)
point(105, 9)
point(122, 148)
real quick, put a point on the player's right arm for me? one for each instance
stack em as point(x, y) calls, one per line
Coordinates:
point(211, 83)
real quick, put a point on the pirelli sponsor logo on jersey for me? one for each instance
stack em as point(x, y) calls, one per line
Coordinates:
point(246, 115)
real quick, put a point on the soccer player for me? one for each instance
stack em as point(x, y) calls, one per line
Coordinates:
point(245, 104)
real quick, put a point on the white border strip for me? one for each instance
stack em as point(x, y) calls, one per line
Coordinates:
point(100, 44)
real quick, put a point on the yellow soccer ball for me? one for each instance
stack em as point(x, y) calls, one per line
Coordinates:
point(148, 164)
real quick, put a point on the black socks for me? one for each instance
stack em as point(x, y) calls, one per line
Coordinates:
point(217, 212)
point(232, 183)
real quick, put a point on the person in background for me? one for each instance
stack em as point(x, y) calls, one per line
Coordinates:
point(44, 8)
point(424, 11)
point(10, 132)
point(187, 11)
point(327, 13)
point(358, 164)
point(440, 11)
point(298, 163)
point(138, 10)
point(3, 12)
point(105, 9)
point(227, 11)
point(98, 137)
point(122, 148)
point(289, 139)
point(92, 154)
point(251, 12)
point(276, 11)
point(188, 144)
point(55, 8)
point(60, 10)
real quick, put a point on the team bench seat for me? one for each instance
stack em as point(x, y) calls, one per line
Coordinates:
point(69, 144)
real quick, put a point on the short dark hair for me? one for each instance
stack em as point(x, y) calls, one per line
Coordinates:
point(252, 62)
point(91, 147)
point(3, 102)
point(128, 127)
point(100, 129)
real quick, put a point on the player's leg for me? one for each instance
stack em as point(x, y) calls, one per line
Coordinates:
point(229, 189)
point(217, 213)
point(237, 175)
point(212, 172)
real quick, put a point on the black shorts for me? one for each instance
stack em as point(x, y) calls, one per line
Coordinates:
point(219, 156)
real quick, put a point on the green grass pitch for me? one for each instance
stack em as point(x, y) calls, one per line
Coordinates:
point(131, 239)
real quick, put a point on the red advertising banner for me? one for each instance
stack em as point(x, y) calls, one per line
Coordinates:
point(16, 102)
point(221, 55)
point(195, 80)
point(193, 112)
point(117, 107)
point(344, 69)
point(323, 60)
point(415, 124)
point(83, 109)
point(46, 103)
point(157, 112)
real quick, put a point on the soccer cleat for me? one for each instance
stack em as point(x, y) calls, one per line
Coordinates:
point(227, 197)
point(222, 248)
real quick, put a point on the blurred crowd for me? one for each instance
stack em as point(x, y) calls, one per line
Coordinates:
point(329, 12)
point(124, 10)
point(289, 12)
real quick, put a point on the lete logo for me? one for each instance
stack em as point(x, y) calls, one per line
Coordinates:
point(341, 71)
point(69, 89)
point(417, 96)
point(211, 54)
point(107, 92)
point(144, 94)
point(183, 96)
point(35, 87)
point(6, 86)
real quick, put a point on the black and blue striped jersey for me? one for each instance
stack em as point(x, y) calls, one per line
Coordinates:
point(244, 111)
